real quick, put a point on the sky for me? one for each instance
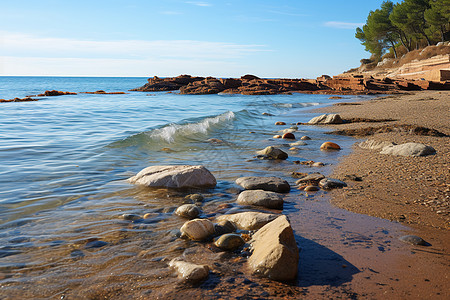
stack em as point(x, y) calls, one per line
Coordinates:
point(227, 38)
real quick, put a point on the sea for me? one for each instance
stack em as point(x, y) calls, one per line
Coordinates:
point(64, 162)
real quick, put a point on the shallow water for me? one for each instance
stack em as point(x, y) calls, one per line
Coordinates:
point(64, 161)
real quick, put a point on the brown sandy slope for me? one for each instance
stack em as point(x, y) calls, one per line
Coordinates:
point(413, 190)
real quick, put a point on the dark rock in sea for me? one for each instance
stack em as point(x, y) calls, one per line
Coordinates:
point(131, 217)
point(55, 93)
point(273, 184)
point(414, 240)
point(195, 197)
point(26, 99)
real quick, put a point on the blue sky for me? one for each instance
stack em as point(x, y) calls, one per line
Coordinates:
point(228, 38)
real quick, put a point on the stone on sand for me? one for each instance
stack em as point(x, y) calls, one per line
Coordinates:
point(261, 198)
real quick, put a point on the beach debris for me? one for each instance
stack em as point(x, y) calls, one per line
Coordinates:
point(272, 153)
point(261, 198)
point(197, 229)
point(409, 149)
point(275, 252)
point(330, 146)
point(189, 211)
point(229, 241)
point(189, 272)
point(326, 119)
point(248, 220)
point(273, 184)
point(182, 176)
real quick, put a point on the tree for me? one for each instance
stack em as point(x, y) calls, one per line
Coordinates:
point(438, 16)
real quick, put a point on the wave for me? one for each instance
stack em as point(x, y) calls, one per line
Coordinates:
point(170, 132)
point(295, 105)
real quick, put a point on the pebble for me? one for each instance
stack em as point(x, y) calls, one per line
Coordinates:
point(305, 138)
point(131, 217)
point(330, 146)
point(288, 135)
point(311, 188)
point(229, 241)
point(277, 136)
point(267, 114)
point(280, 123)
point(318, 164)
point(189, 211)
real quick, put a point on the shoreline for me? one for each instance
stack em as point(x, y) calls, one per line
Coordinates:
point(410, 190)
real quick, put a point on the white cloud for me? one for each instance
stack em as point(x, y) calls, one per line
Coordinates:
point(199, 3)
point(343, 25)
point(22, 54)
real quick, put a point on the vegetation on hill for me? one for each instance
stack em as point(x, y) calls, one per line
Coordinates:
point(405, 26)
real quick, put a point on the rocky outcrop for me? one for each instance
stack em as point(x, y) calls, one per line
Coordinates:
point(156, 84)
point(174, 177)
point(248, 220)
point(261, 198)
point(272, 184)
point(409, 149)
point(26, 99)
point(55, 93)
point(275, 252)
point(203, 87)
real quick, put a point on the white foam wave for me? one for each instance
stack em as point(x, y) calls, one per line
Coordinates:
point(296, 105)
point(170, 132)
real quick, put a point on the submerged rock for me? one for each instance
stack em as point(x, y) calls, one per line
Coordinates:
point(229, 241)
point(189, 211)
point(197, 229)
point(409, 149)
point(273, 184)
point(273, 153)
point(261, 198)
point(190, 272)
point(249, 220)
point(275, 252)
point(174, 177)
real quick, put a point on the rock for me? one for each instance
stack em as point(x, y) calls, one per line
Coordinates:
point(374, 144)
point(318, 164)
point(229, 241)
point(409, 149)
point(189, 211)
point(261, 198)
point(197, 229)
point(313, 178)
point(188, 271)
point(267, 114)
point(330, 146)
point(335, 97)
point(293, 149)
point(195, 197)
point(288, 135)
point(287, 130)
point(311, 188)
point(95, 244)
point(207, 86)
point(280, 123)
point(248, 220)
point(174, 177)
point(224, 226)
point(131, 217)
point(275, 252)
point(413, 240)
point(273, 184)
point(215, 141)
point(249, 77)
point(305, 138)
point(55, 93)
point(326, 119)
point(299, 143)
point(277, 136)
point(273, 153)
point(330, 183)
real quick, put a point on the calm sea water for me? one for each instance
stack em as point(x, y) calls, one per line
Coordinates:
point(64, 161)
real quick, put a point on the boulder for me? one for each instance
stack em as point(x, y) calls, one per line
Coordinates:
point(248, 220)
point(327, 119)
point(188, 271)
point(330, 146)
point(174, 177)
point(409, 149)
point(273, 153)
point(273, 184)
point(331, 183)
point(275, 252)
point(374, 144)
point(197, 229)
point(261, 198)
point(189, 211)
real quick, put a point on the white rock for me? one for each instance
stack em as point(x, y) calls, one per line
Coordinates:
point(298, 143)
point(327, 119)
point(409, 149)
point(174, 177)
point(197, 229)
point(189, 271)
point(248, 220)
point(374, 144)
